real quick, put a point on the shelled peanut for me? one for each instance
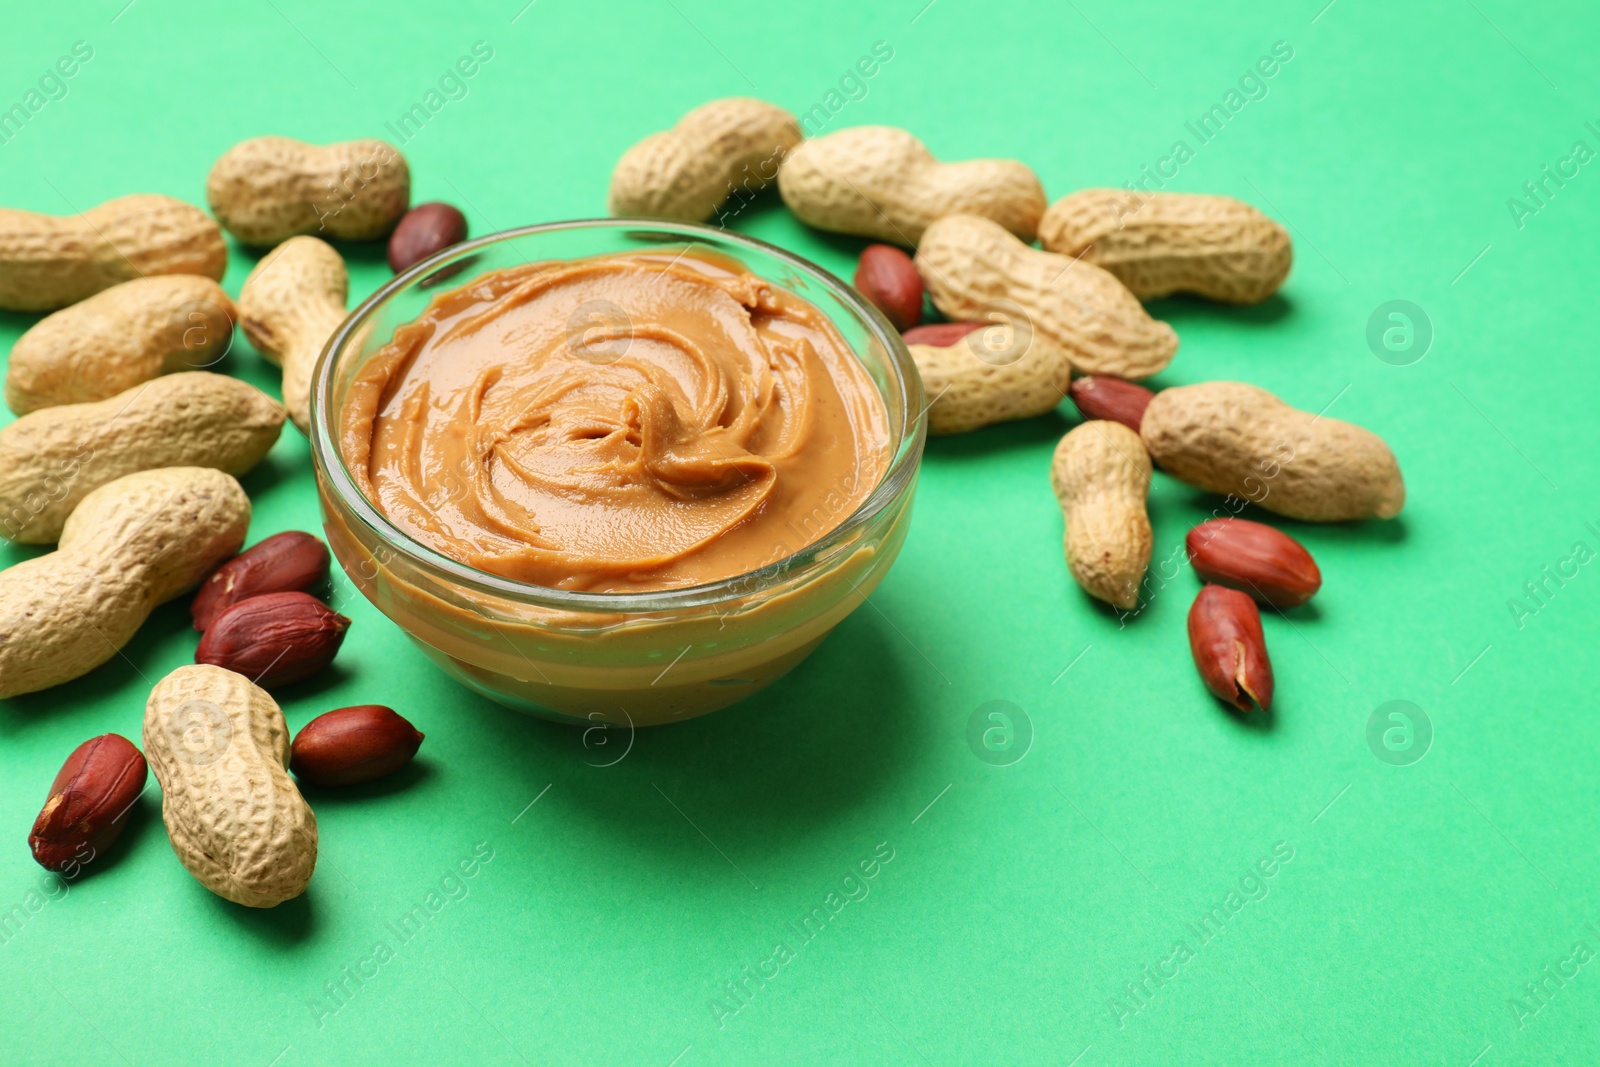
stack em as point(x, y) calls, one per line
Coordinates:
point(889, 280)
point(425, 230)
point(1254, 558)
point(88, 804)
point(348, 746)
point(274, 639)
point(1228, 647)
point(288, 562)
point(1111, 398)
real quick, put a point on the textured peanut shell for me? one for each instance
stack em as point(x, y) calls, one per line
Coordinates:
point(130, 545)
point(1162, 243)
point(1229, 437)
point(268, 189)
point(220, 748)
point(289, 306)
point(118, 338)
point(689, 171)
point(972, 266)
point(50, 460)
point(1028, 376)
point(1101, 475)
point(48, 262)
point(881, 182)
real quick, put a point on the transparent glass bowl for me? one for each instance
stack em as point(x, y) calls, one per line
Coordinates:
point(626, 658)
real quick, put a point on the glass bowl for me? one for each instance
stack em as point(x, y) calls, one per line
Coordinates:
point(626, 658)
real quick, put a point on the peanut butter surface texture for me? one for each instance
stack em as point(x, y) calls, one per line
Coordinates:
point(617, 424)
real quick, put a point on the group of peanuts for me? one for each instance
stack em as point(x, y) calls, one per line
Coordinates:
point(123, 455)
point(217, 739)
point(1024, 319)
point(126, 456)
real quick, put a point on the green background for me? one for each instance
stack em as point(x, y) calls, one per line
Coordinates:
point(1419, 899)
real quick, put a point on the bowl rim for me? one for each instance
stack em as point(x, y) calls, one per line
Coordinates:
point(329, 463)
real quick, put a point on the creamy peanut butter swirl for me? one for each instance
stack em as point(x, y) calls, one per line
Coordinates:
point(616, 424)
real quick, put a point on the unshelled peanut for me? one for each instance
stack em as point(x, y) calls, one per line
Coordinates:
point(722, 148)
point(1161, 243)
point(1101, 476)
point(48, 262)
point(130, 545)
point(995, 374)
point(975, 269)
point(220, 748)
point(50, 460)
point(883, 183)
point(118, 338)
point(268, 189)
point(1229, 437)
point(289, 307)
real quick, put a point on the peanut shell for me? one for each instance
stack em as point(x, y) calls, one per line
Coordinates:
point(881, 182)
point(1101, 476)
point(53, 458)
point(220, 748)
point(48, 262)
point(974, 269)
point(1233, 438)
point(1163, 243)
point(130, 545)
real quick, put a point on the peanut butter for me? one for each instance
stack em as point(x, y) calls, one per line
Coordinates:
point(623, 423)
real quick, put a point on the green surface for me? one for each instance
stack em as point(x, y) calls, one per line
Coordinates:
point(1419, 901)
